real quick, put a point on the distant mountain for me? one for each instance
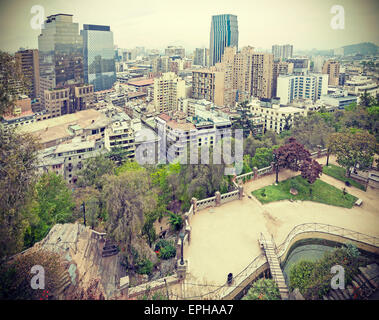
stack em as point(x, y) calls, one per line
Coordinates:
point(365, 48)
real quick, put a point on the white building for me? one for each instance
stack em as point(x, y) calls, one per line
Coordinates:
point(275, 118)
point(310, 86)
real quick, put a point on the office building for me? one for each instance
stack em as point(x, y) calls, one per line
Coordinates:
point(224, 33)
point(60, 53)
point(98, 56)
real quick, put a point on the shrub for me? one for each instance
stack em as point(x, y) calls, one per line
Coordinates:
point(263, 289)
point(166, 249)
point(176, 221)
point(300, 275)
point(144, 266)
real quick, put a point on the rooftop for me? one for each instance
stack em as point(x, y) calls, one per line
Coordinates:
point(57, 128)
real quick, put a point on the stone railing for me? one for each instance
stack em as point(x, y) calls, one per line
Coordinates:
point(205, 203)
point(148, 287)
point(321, 228)
point(264, 171)
point(230, 196)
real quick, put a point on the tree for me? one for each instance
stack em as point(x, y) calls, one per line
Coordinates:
point(129, 197)
point(353, 148)
point(262, 158)
point(312, 131)
point(290, 156)
point(52, 204)
point(18, 162)
point(310, 170)
point(263, 289)
point(366, 99)
point(93, 171)
point(118, 155)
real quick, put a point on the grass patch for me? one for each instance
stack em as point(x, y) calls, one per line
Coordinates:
point(339, 174)
point(321, 192)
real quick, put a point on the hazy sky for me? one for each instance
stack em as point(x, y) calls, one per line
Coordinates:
point(158, 23)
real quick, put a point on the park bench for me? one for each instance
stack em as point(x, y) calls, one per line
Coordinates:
point(359, 202)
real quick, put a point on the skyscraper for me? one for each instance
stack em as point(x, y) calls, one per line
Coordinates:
point(61, 50)
point(224, 33)
point(60, 53)
point(98, 56)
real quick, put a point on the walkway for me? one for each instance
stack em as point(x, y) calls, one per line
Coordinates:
point(269, 248)
point(225, 239)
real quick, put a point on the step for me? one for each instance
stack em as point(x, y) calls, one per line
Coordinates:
point(339, 294)
point(366, 285)
point(334, 295)
point(370, 277)
point(345, 293)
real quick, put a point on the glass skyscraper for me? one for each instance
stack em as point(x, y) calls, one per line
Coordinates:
point(224, 33)
point(60, 52)
point(99, 56)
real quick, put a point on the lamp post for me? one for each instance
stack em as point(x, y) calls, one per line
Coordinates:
point(83, 208)
point(181, 236)
point(276, 167)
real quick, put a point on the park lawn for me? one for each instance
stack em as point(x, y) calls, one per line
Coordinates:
point(339, 174)
point(321, 192)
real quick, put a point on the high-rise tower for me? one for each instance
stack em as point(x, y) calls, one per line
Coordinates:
point(224, 33)
point(99, 60)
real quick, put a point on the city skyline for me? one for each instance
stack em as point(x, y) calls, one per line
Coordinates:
point(157, 25)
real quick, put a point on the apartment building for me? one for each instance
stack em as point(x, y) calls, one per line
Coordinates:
point(282, 51)
point(332, 68)
point(208, 84)
point(262, 75)
point(28, 61)
point(121, 134)
point(310, 86)
point(167, 90)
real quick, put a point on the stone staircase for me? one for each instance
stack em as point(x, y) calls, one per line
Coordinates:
point(276, 272)
point(109, 249)
point(363, 285)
